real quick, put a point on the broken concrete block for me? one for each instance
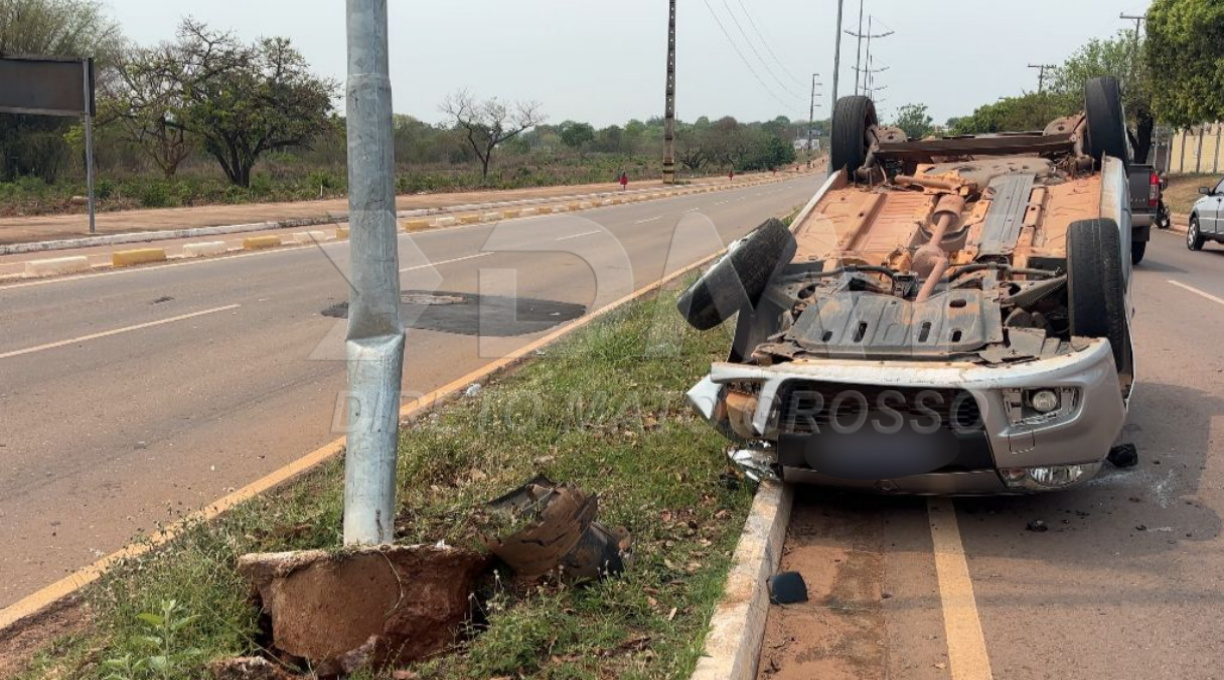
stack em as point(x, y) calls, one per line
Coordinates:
point(365, 608)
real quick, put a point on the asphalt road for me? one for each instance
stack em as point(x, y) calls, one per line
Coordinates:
point(1126, 583)
point(130, 396)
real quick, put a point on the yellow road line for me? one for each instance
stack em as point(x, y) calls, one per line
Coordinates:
point(117, 331)
point(43, 598)
point(967, 658)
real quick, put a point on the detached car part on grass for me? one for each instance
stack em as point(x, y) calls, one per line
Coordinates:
point(946, 316)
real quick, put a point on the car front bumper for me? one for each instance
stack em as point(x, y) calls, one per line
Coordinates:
point(1080, 438)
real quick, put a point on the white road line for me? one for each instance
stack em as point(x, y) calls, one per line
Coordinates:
point(585, 233)
point(692, 210)
point(967, 658)
point(439, 264)
point(1198, 292)
point(652, 219)
point(117, 331)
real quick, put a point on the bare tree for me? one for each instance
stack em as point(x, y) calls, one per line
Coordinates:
point(489, 123)
point(144, 99)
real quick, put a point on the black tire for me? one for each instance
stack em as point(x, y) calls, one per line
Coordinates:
point(853, 119)
point(739, 279)
point(1096, 288)
point(1107, 135)
point(1138, 250)
point(1194, 237)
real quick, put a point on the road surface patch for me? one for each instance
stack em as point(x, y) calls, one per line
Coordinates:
point(129, 258)
point(1196, 291)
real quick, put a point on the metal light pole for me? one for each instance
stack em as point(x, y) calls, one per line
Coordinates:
point(841, 5)
point(88, 65)
point(1041, 75)
point(375, 342)
point(669, 110)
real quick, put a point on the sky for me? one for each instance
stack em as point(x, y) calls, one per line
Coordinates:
point(603, 61)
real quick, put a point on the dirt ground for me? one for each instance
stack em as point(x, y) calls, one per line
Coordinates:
point(1182, 191)
point(20, 642)
point(54, 227)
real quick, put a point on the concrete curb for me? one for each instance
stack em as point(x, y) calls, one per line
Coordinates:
point(334, 218)
point(737, 629)
point(131, 258)
point(57, 266)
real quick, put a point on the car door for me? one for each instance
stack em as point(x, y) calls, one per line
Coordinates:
point(1209, 212)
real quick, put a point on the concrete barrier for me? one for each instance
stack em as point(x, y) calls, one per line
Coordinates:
point(560, 208)
point(576, 206)
point(342, 233)
point(545, 210)
point(416, 225)
point(260, 242)
point(205, 249)
point(446, 222)
point(510, 214)
point(584, 205)
point(57, 266)
point(528, 212)
point(469, 219)
point(128, 258)
point(305, 238)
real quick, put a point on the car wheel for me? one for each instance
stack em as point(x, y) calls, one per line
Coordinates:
point(1138, 250)
point(1096, 290)
point(1194, 238)
point(738, 280)
point(1106, 120)
point(854, 119)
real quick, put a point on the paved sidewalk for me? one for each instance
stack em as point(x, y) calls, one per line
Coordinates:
point(57, 227)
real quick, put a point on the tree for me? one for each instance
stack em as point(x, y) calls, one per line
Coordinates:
point(914, 119)
point(144, 100)
point(1185, 46)
point(34, 145)
point(489, 123)
point(1119, 56)
point(1032, 111)
point(689, 149)
point(577, 135)
point(244, 101)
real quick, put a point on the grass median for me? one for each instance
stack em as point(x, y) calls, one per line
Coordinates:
point(603, 409)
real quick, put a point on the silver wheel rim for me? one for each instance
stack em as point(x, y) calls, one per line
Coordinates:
point(1192, 234)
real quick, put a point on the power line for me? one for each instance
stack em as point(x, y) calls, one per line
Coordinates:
point(766, 42)
point(742, 57)
point(752, 46)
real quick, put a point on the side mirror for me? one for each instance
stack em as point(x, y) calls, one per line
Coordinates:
point(1206, 191)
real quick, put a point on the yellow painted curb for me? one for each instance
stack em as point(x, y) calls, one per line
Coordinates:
point(260, 242)
point(127, 258)
point(342, 233)
point(545, 210)
point(416, 225)
point(509, 214)
point(575, 206)
point(469, 219)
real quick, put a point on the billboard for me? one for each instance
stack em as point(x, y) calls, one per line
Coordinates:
point(46, 86)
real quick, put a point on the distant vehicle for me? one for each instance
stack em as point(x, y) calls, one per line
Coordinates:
point(1146, 191)
point(945, 316)
point(1207, 218)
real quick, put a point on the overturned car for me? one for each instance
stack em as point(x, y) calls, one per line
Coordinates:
point(946, 316)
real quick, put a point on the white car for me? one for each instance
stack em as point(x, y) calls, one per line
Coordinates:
point(1207, 218)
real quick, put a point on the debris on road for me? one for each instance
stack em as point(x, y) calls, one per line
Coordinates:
point(787, 588)
point(1037, 526)
point(366, 608)
point(1124, 456)
point(543, 528)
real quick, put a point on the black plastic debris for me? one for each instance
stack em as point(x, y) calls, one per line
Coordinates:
point(542, 528)
point(787, 588)
point(1037, 526)
point(1124, 456)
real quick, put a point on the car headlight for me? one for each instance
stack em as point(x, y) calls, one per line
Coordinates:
point(1047, 478)
point(1044, 401)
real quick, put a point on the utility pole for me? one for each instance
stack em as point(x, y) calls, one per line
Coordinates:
point(858, 66)
point(1042, 74)
point(858, 60)
point(841, 5)
point(1138, 19)
point(812, 110)
point(669, 109)
point(374, 345)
